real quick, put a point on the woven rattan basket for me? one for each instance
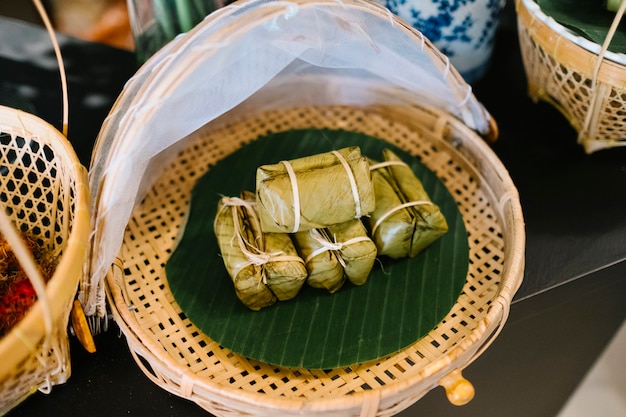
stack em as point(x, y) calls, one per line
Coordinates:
point(581, 79)
point(44, 190)
point(167, 346)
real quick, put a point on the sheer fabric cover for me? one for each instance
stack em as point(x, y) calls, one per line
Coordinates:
point(266, 55)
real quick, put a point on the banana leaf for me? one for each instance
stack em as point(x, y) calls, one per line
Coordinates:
point(401, 301)
point(589, 19)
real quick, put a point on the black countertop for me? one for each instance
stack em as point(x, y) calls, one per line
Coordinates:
point(572, 300)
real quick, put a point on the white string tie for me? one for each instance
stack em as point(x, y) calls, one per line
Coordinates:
point(327, 245)
point(386, 164)
point(296, 195)
point(398, 208)
point(254, 252)
point(401, 206)
point(355, 190)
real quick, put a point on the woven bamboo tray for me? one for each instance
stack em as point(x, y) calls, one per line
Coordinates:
point(44, 191)
point(166, 345)
point(581, 79)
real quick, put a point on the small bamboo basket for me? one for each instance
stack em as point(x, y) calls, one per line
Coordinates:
point(44, 191)
point(582, 79)
point(166, 345)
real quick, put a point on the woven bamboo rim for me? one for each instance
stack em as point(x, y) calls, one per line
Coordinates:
point(579, 78)
point(50, 200)
point(179, 358)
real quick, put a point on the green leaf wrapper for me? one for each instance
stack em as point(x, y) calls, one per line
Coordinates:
point(356, 249)
point(325, 191)
point(325, 270)
point(285, 272)
point(238, 233)
point(400, 232)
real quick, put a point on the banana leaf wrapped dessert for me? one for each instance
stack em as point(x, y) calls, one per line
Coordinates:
point(405, 220)
point(238, 232)
point(356, 251)
point(257, 263)
point(314, 191)
point(285, 270)
point(322, 263)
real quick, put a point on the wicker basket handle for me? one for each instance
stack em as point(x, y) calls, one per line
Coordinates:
point(79, 321)
point(593, 104)
point(57, 52)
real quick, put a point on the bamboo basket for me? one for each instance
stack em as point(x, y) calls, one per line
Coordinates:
point(167, 346)
point(581, 79)
point(44, 191)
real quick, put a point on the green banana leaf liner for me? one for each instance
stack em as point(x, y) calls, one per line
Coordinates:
point(587, 18)
point(402, 300)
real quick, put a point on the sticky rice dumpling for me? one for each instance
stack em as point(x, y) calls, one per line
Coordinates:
point(314, 191)
point(285, 270)
point(356, 250)
point(405, 220)
point(263, 266)
point(323, 266)
point(238, 232)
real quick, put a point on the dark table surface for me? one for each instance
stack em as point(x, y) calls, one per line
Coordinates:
point(570, 304)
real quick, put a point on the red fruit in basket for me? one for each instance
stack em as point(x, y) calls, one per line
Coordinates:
point(17, 293)
point(15, 300)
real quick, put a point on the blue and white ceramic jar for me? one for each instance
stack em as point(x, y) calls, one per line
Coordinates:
point(464, 30)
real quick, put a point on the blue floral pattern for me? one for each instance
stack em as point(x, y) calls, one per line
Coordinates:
point(458, 28)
